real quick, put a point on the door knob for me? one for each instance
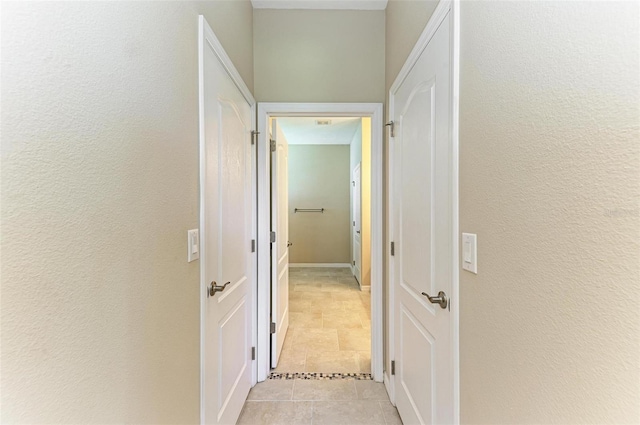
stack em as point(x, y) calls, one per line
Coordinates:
point(441, 299)
point(358, 231)
point(289, 244)
point(213, 288)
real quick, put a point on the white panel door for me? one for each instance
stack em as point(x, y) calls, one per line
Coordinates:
point(423, 231)
point(279, 248)
point(226, 209)
point(357, 223)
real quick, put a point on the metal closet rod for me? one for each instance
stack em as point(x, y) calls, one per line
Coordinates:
point(320, 210)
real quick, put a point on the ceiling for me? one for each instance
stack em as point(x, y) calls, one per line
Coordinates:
point(321, 4)
point(305, 131)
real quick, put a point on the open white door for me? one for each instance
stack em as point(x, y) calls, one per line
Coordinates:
point(279, 245)
point(423, 210)
point(357, 223)
point(226, 204)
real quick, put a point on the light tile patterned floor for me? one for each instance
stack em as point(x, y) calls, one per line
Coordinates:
point(318, 402)
point(329, 332)
point(329, 323)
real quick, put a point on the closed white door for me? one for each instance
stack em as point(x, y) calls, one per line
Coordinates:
point(357, 223)
point(422, 175)
point(226, 258)
point(280, 247)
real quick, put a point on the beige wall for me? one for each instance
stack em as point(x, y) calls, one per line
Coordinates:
point(100, 309)
point(319, 178)
point(549, 145)
point(319, 55)
point(549, 181)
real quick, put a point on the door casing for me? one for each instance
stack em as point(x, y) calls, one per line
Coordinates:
point(373, 110)
point(440, 13)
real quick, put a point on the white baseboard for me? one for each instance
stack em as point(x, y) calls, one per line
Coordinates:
point(319, 265)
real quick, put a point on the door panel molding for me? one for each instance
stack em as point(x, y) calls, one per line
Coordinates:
point(375, 111)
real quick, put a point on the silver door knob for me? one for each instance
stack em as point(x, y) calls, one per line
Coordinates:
point(441, 299)
point(289, 244)
point(213, 288)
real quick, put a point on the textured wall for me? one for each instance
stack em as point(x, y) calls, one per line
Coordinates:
point(99, 309)
point(319, 55)
point(550, 182)
point(319, 178)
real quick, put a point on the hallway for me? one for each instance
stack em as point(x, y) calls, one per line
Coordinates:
point(324, 373)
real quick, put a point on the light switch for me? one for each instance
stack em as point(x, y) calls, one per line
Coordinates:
point(470, 252)
point(193, 243)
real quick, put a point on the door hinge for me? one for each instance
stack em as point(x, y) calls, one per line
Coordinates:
point(254, 136)
point(354, 262)
point(393, 248)
point(272, 237)
point(273, 327)
point(273, 145)
point(353, 183)
point(393, 367)
point(391, 126)
point(354, 223)
point(253, 353)
point(253, 245)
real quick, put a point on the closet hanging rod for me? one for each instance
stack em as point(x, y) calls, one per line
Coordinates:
point(320, 210)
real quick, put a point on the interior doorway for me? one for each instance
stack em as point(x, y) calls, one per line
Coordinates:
point(333, 317)
point(321, 252)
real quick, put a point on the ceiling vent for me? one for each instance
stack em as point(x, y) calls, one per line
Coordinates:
point(323, 122)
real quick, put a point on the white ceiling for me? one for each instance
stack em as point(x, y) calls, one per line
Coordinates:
point(304, 131)
point(321, 4)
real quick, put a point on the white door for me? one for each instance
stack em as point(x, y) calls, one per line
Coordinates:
point(357, 223)
point(279, 248)
point(423, 230)
point(226, 218)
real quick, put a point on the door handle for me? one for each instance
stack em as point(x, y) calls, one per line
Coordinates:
point(358, 231)
point(289, 244)
point(213, 288)
point(441, 299)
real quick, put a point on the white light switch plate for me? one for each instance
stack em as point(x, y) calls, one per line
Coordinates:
point(193, 244)
point(470, 252)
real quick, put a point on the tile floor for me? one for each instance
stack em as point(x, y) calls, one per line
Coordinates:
point(329, 323)
point(318, 402)
point(329, 332)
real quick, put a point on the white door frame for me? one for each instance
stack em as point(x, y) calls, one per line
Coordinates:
point(434, 23)
point(373, 110)
point(246, 93)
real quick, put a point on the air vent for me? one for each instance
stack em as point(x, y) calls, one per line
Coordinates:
point(323, 122)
